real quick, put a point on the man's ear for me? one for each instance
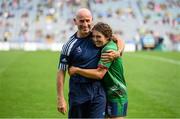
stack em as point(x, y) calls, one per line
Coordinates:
point(74, 21)
point(92, 23)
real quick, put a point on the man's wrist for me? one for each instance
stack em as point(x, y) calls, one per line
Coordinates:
point(60, 97)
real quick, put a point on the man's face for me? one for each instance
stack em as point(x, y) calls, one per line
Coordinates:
point(99, 39)
point(83, 23)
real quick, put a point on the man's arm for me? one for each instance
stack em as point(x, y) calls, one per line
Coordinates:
point(62, 107)
point(89, 73)
point(110, 55)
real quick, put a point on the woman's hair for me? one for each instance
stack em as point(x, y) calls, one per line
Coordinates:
point(103, 28)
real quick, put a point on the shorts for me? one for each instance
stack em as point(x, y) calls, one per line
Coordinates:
point(87, 100)
point(116, 109)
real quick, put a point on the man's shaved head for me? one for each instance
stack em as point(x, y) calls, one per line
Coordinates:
point(82, 12)
point(83, 21)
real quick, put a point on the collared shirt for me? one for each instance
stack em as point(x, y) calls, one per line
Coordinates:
point(79, 52)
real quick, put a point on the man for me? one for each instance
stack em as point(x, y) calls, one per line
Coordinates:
point(111, 73)
point(86, 97)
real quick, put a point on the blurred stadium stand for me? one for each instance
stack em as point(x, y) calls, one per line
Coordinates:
point(47, 24)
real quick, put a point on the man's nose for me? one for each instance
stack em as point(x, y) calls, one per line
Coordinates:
point(85, 23)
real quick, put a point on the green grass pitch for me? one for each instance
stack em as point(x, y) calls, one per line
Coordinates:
point(28, 84)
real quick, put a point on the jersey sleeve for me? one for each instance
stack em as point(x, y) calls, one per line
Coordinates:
point(64, 58)
point(110, 46)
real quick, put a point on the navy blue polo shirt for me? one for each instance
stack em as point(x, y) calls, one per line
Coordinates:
point(79, 52)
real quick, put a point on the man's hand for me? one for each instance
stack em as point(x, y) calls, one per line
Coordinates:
point(61, 105)
point(110, 55)
point(72, 70)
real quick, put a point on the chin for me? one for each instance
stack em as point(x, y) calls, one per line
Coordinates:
point(98, 46)
point(87, 31)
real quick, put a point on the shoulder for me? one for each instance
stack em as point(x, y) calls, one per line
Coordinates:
point(110, 46)
point(68, 45)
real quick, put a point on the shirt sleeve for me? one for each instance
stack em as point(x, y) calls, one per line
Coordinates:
point(64, 59)
point(106, 64)
point(63, 62)
point(102, 64)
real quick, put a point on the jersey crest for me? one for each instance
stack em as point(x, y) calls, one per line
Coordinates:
point(78, 49)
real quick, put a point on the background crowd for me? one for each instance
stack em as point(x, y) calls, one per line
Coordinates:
point(147, 24)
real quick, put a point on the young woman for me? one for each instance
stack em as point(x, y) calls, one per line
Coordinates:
point(111, 73)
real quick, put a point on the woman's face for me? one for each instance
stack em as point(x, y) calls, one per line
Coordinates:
point(99, 39)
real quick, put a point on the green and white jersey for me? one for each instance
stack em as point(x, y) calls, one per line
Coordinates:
point(113, 80)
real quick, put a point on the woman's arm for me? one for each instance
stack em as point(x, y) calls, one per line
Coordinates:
point(110, 55)
point(89, 73)
point(120, 44)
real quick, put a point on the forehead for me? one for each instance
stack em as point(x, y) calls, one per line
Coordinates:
point(84, 17)
point(94, 32)
point(83, 14)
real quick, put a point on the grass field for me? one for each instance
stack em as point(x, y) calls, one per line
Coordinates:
point(28, 84)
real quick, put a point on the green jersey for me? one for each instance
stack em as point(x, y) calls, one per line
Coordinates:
point(113, 80)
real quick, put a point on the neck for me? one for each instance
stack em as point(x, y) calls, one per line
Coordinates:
point(81, 35)
point(106, 43)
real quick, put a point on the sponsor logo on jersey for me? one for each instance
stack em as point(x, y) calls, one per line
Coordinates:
point(79, 50)
point(64, 60)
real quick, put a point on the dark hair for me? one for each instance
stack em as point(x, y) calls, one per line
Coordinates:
point(103, 28)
